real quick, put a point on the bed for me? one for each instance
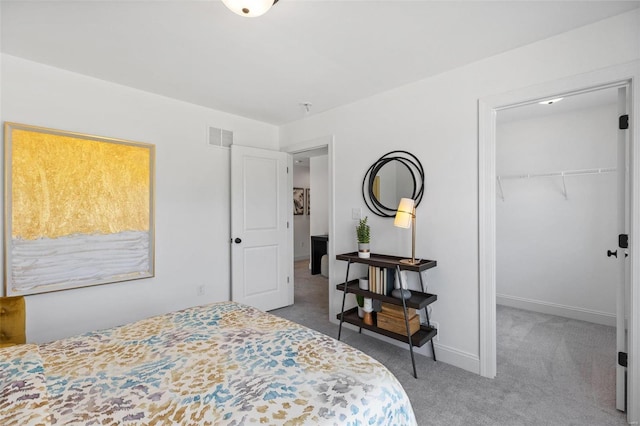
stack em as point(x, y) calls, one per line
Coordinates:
point(219, 364)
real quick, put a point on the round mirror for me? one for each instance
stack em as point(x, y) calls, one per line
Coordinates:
point(396, 175)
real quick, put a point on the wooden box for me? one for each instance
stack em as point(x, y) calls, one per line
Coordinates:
point(397, 324)
point(396, 311)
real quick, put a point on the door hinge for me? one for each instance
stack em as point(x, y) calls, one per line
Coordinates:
point(287, 224)
point(287, 280)
point(623, 122)
point(623, 241)
point(622, 359)
point(287, 169)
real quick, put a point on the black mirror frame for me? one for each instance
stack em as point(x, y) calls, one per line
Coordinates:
point(417, 174)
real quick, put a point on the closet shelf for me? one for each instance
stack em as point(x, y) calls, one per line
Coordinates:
point(561, 174)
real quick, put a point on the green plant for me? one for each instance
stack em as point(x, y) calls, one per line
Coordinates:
point(360, 300)
point(363, 231)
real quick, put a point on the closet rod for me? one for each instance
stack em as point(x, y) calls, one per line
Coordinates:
point(562, 174)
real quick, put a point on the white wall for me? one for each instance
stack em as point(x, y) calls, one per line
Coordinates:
point(319, 193)
point(437, 120)
point(192, 191)
point(551, 252)
point(301, 241)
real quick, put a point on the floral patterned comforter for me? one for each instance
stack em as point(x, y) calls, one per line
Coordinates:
point(220, 364)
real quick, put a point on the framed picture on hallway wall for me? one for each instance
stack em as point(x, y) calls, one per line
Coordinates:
point(298, 201)
point(308, 201)
point(79, 210)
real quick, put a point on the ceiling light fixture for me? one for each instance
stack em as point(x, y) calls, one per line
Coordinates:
point(249, 8)
point(550, 101)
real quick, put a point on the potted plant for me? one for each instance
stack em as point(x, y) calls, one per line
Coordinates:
point(363, 232)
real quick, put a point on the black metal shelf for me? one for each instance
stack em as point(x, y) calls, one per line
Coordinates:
point(419, 338)
point(387, 261)
point(418, 299)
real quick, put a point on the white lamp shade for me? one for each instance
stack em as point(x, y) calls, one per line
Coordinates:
point(249, 8)
point(404, 213)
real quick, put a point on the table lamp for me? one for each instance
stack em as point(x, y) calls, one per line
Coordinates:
point(406, 218)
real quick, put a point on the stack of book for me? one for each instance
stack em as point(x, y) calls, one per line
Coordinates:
point(381, 280)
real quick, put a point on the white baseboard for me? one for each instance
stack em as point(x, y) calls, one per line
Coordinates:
point(572, 312)
point(465, 360)
point(301, 257)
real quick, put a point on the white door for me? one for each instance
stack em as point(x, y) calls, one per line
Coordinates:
point(622, 298)
point(261, 252)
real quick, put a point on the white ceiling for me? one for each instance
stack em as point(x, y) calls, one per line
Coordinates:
point(591, 99)
point(302, 158)
point(328, 53)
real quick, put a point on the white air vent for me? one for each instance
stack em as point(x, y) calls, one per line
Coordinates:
point(220, 137)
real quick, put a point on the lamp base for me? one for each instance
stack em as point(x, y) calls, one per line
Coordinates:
point(401, 293)
point(410, 261)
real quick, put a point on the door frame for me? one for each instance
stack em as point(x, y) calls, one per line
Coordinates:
point(487, 110)
point(308, 145)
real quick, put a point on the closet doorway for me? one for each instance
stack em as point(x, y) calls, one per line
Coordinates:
point(560, 206)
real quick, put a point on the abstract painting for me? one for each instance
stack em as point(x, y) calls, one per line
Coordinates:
point(79, 210)
point(298, 201)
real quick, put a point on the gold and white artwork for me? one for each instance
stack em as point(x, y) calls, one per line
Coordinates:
point(79, 210)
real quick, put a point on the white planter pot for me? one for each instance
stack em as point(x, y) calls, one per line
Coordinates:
point(360, 312)
point(363, 284)
point(363, 250)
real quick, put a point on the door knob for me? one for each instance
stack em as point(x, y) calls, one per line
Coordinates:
point(609, 253)
point(238, 240)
